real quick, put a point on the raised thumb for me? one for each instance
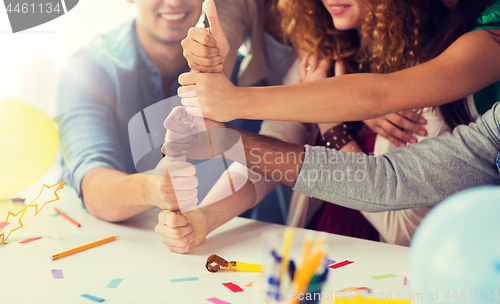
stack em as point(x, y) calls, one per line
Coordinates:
point(213, 19)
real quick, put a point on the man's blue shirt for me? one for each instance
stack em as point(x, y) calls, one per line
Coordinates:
point(99, 90)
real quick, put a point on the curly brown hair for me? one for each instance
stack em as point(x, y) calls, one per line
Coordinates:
point(392, 35)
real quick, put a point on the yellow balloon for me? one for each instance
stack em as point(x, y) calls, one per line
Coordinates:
point(28, 145)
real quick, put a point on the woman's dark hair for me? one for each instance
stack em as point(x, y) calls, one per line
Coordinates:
point(460, 20)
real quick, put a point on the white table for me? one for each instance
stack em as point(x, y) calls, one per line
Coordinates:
point(146, 265)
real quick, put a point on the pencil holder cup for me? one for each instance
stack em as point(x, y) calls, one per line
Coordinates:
point(277, 284)
point(273, 286)
point(313, 295)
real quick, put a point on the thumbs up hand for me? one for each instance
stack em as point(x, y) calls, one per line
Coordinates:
point(206, 49)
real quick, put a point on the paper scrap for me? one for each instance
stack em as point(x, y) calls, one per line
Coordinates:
point(217, 301)
point(3, 224)
point(57, 274)
point(114, 283)
point(340, 264)
point(405, 275)
point(92, 298)
point(26, 241)
point(233, 287)
point(249, 284)
point(370, 299)
point(330, 262)
point(354, 288)
point(384, 276)
point(184, 279)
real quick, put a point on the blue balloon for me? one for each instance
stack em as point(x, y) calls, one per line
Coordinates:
point(455, 252)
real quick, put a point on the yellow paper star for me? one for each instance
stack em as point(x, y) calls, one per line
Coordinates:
point(59, 187)
point(18, 216)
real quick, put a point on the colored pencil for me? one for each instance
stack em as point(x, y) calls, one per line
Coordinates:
point(287, 243)
point(84, 247)
point(67, 217)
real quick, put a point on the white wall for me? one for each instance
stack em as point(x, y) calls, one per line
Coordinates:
point(29, 60)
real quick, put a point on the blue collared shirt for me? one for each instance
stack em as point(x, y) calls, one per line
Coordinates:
point(99, 90)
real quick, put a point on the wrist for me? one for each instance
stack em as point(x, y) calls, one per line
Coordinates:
point(212, 217)
point(224, 62)
point(248, 103)
point(212, 223)
point(338, 136)
point(149, 190)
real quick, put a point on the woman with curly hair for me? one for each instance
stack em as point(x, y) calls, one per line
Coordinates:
point(377, 36)
point(391, 38)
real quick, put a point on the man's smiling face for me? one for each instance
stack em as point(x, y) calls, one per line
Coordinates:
point(168, 21)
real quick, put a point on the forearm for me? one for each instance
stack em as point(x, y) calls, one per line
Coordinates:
point(318, 101)
point(115, 196)
point(272, 158)
point(348, 98)
point(469, 65)
point(419, 175)
point(229, 207)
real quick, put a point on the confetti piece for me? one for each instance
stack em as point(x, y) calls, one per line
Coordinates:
point(340, 264)
point(233, 287)
point(57, 274)
point(92, 298)
point(405, 274)
point(330, 262)
point(217, 301)
point(370, 299)
point(354, 288)
point(385, 276)
point(26, 241)
point(3, 224)
point(249, 284)
point(18, 200)
point(184, 279)
point(114, 283)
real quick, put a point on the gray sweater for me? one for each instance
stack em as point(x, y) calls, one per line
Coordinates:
point(421, 174)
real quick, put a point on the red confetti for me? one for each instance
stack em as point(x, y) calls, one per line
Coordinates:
point(30, 240)
point(233, 287)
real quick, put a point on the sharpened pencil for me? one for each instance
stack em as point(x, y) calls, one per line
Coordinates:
point(84, 247)
point(67, 217)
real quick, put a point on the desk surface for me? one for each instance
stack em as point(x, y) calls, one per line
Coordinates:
point(146, 265)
